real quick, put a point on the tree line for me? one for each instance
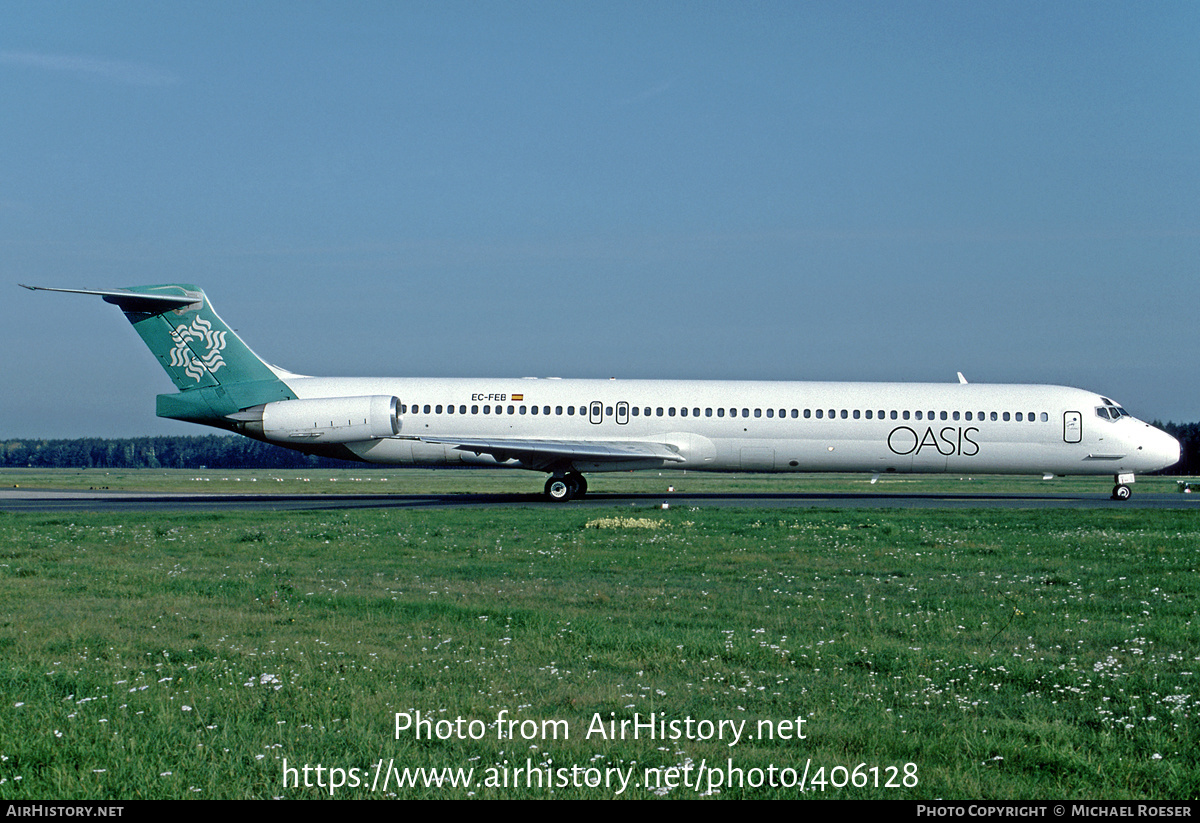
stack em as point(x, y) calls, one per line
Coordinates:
point(215, 451)
point(211, 451)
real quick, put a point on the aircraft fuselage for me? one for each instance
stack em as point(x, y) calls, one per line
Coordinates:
point(766, 426)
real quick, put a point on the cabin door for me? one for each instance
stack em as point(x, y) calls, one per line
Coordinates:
point(1072, 427)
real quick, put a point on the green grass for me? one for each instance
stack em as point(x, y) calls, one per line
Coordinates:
point(1007, 655)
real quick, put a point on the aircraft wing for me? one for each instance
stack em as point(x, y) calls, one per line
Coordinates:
point(547, 451)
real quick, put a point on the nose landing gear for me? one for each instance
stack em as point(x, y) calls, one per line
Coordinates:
point(1121, 491)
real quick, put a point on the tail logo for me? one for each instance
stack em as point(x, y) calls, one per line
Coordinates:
point(182, 355)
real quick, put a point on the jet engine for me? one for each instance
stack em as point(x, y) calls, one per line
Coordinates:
point(326, 420)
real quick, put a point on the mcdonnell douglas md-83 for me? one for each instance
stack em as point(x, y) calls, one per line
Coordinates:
point(567, 427)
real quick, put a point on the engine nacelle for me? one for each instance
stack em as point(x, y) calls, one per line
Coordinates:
point(331, 419)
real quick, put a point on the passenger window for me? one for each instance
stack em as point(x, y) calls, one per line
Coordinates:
point(695, 412)
point(659, 411)
point(820, 413)
point(708, 412)
point(683, 412)
point(671, 411)
point(721, 412)
point(558, 409)
point(758, 412)
point(856, 414)
point(869, 414)
point(994, 416)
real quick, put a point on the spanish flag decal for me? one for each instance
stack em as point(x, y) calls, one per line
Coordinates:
point(518, 397)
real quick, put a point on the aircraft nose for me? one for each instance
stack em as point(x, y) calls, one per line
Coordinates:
point(1162, 448)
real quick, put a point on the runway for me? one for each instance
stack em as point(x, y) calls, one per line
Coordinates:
point(32, 500)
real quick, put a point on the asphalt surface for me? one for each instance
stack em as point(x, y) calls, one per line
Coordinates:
point(41, 500)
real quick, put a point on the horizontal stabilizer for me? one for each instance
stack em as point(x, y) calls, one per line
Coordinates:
point(133, 301)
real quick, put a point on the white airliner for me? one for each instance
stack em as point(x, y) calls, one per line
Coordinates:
point(567, 427)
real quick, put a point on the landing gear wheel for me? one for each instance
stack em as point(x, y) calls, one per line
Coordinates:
point(1121, 492)
point(558, 489)
point(578, 485)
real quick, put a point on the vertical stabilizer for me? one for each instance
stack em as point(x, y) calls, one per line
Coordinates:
point(192, 343)
point(215, 372)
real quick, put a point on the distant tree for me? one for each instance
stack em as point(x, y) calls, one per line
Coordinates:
point(182, 452)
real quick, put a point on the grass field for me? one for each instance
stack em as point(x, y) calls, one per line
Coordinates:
point(933, 654)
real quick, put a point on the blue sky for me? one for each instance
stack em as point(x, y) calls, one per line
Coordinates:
point(783, 191)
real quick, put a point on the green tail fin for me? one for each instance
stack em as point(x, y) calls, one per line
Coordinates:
point(216, 373)
point(192, 343)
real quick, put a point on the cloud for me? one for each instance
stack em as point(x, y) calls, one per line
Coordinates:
point(650, 93)
point(116, 71)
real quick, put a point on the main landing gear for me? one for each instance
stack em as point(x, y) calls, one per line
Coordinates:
point(1121, 491)
point(563, 487)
